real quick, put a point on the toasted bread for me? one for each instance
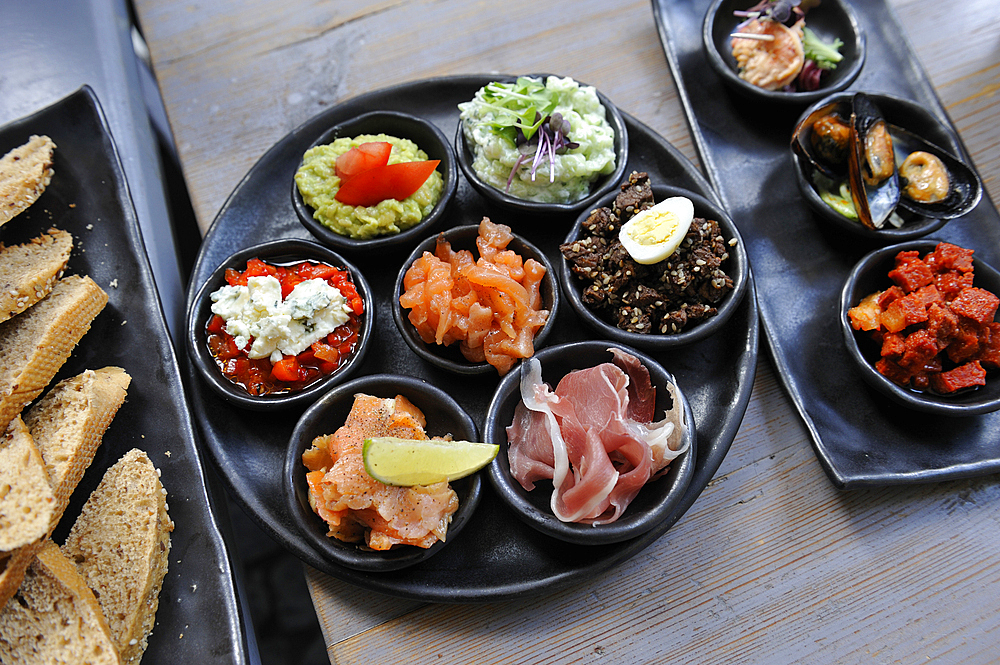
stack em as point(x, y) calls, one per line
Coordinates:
point(29, 271)
point(26, 499)
point(120, 543)
point(25, 172)
point(55, 618)
point(36, 343)
point(67, 425)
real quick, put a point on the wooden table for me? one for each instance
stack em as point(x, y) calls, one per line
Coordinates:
point(772, 563)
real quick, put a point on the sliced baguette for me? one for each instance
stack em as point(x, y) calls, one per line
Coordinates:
point(67, 425)
point(26, 499)
point(29, 271)
point(120, 543)
point(35, 343)
point(25, 172)
point(55, 618)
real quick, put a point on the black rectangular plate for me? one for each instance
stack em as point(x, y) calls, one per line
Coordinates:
point(860, 437)
point(198, 617)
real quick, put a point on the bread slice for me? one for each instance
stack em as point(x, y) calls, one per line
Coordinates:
point(67, 425)
point(120, 544)
point(25, 172)
point(35, 343)
point(26, 499)
point(29, 271)
point(55, 617)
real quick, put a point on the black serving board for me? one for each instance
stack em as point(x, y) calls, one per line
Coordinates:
point(198, 616)
point(860, 437)
point(496, 556)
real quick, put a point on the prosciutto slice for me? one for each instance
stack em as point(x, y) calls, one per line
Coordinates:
point(594, 437)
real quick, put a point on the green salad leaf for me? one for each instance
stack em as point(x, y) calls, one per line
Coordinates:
point(826, 56)
point(522, 105)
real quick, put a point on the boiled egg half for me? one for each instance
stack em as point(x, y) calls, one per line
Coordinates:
point(655, 233)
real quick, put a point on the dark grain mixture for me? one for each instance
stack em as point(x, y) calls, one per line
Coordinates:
point(666, 297)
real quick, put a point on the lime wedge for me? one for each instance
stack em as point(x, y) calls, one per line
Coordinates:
point(396, 461)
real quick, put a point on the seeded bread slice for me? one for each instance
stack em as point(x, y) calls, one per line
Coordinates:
point(35, 343)
point(120, 544)
point(26, 499)
point(25, 172)
point(67, 425)
point(29, 271)
point(55, 618)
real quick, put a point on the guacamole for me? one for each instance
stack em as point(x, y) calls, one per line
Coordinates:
point(318, 183)
point(569, 176)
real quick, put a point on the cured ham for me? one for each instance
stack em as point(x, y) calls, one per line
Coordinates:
point(594, 437)
point(355, 506)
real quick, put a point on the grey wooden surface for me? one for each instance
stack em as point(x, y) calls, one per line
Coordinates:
point(771, 564)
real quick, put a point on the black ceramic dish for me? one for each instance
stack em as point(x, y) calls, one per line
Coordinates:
point(449, 357)
point(655, 500)
point(428, 138)
point(902, 113)
point(280, 252)
point(444, 416)
point(871, 275)
point(737, 267)
point(89, 198)
point(799, 266)
point(497, 556)
point(833, 19)
point(513, 204)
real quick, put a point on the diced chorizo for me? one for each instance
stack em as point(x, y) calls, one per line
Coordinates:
point(963, 376)
point(910, 272)
point(977, 304)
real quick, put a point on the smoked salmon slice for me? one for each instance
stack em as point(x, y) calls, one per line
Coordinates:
point(355, 506)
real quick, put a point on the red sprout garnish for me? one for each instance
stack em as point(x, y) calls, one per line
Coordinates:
point(551, 139)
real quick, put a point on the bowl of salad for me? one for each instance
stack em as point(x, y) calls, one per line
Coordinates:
point(784, 51)
point(280, 323)
point(541, 144)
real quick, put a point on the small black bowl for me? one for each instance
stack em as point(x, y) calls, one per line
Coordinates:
point(444, 416)
point(597, 189)
point(428, 138)
point(871, 275)
point(280, 252)
point(449, 357)
point(896, 111)
point(655, 501)
point(737, 267)
point(832, 19)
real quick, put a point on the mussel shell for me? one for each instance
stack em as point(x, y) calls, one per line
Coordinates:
point(802, 139)
point(873, 202)
point(964, 190)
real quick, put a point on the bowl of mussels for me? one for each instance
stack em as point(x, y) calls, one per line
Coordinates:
point(882, 167)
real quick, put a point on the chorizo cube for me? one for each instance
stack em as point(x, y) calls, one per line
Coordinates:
point(910, 272)
point(892, 293)
point(892, 371)
point(977, 304)
point(964, 341)
point(950, 284)
point(964, 376)
point(947, 257)
point(893, 345)
point(941, 321)
point(989, 346)
point(920, 348)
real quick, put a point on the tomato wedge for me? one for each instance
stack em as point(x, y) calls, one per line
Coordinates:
point(392, 181)
point(366, 156)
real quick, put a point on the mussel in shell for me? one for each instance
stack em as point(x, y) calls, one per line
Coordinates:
point(884, 166)
point(871, 164)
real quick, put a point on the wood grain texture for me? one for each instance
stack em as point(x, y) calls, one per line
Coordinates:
point(771, 564)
